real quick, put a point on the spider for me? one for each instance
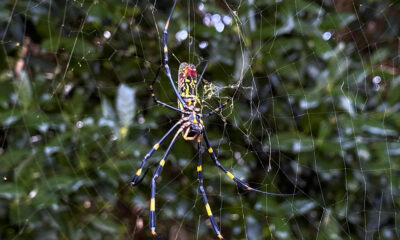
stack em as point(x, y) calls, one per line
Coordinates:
point(191, 128)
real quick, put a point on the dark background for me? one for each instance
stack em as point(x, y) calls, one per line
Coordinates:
point(318, 104)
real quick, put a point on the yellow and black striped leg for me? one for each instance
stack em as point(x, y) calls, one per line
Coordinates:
point(238, 182)
point(166, 66)
point(158, 102)
point(202, 191)
point(153, 187)
point(218, 109)
point(135, 179)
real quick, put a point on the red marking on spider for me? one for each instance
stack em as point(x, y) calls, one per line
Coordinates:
point(190, 73)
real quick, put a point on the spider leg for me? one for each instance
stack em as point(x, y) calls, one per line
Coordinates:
point(135, 180)
point(218, 109)
point(166, 66)
point(203, 193)
point(202, 73)
point(238, 182)
point(153, 186)
point(158, 102)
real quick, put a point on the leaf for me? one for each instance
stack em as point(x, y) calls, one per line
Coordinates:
point(319, 45)
point(299, 207)
point(347, 104)
point(292, 142)
point(379, 55)
point(65, 183)
point(283, 45)
point(394, 91)
point(24, 168)
point(23, 89)
point(288, 24)
point(107, 109)
point(22, 213)
point(330, 228)
point(43, 198)
point(337, 20)
point(6, 89)
point(9, 117)
point(13, 156)
point(378, 129)
point(76, 104)
point(126, 105)
point(104, 225)
point(311, 100)
point(77, 46)
point(10, 191)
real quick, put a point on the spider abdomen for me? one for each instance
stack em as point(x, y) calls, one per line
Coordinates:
point(187, 84)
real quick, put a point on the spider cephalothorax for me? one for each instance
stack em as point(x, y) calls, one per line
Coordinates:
point(191, 127)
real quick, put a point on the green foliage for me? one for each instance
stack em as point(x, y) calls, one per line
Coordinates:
point(318, 99)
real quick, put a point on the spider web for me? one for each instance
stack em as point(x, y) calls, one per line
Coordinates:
point(314, 111)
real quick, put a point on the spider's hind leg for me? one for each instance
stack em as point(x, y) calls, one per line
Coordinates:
point(135, 180)
point(238, 182)
point(202, 191)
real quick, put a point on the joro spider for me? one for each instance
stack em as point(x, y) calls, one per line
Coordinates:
point(191, 128)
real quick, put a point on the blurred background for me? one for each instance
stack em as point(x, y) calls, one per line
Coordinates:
point(316, 112)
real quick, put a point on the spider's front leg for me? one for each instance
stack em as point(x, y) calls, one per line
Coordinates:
point(166, 66)
point(153, 95)
point(202, 74)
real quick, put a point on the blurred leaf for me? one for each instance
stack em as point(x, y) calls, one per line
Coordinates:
point(22, 213)
point(109, 118)
point(65, 183)
point(288, 24)
point(42, 198)
point(9, 117)
point(320, 46)
point(290, 142)
point(13, 156)
point(330, 229)
point(126, 105)
point(23, 89)
point(337, 20)
point(104, 226)
point(76, 105)
point(77, 46)
point(10, 191)
point(394, 91)
point(377, 128)
point(379, 55)
point(24, 167)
